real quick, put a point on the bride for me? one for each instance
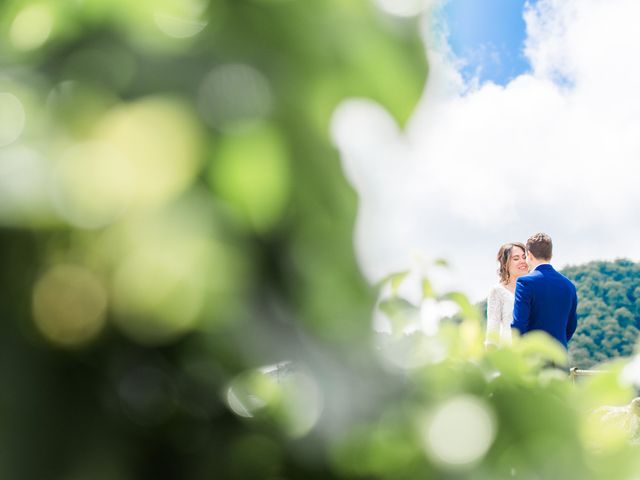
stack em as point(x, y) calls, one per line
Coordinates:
point(513, 264)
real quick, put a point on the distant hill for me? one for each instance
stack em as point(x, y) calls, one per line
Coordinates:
point(608, 311)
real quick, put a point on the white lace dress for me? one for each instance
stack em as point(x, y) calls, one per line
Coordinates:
point(499, 316)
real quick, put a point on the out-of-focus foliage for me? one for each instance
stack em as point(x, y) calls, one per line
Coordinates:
point(608, 311)
point(172, 216)
point(179, 295)
point(464, 412)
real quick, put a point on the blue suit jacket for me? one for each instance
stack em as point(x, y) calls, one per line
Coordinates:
point(546, 300)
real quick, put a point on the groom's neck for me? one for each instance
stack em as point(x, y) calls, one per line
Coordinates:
point(534, 263)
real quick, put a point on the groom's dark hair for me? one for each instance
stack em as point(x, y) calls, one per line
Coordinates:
point(540, 245)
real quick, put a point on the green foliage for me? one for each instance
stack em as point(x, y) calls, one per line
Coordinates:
point(464, 412)
point(173, 216)
point(608, 311)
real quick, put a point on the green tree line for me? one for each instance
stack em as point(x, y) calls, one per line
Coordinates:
point(608, 311)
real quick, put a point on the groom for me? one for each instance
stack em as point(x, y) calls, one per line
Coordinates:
point(544, 299)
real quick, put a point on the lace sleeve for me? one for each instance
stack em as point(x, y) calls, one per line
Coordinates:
point(494, 315)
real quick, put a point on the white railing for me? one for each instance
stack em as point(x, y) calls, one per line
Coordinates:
point(575, 372)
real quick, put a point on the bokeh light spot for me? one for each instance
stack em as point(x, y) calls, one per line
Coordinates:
point(302, 403)
point(24, 177)
point(181, 18)
point(12, 118)
point(404, 8)
point(168, 273)
point(94, 185)
point(252, 173)
point(157, 294)
point(31, 27)
point(459, 432)
point(232, 95)
point(178, 27)
point(69, 305)
point(160, 139)
point(251, 392)
point(286, 394)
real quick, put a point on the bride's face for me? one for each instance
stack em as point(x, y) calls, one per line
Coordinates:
point(518, 263)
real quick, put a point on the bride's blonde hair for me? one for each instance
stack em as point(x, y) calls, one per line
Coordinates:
point(504, 257)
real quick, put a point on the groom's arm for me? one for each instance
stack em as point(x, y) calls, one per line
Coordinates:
point(521, 307)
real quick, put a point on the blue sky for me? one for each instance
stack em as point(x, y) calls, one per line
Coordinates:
point(488, 36)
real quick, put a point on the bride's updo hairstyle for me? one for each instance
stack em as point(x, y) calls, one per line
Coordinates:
point(504, 257)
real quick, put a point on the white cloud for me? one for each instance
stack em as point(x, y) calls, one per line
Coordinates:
point(557, 150)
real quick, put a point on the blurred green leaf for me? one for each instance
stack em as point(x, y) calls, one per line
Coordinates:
point(401, 313)
point(251, 171)
point(467, 309)
point(427, 289)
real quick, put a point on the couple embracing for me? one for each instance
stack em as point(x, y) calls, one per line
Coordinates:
point(531, 294)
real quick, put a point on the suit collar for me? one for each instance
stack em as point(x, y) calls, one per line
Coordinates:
point(544, 266)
